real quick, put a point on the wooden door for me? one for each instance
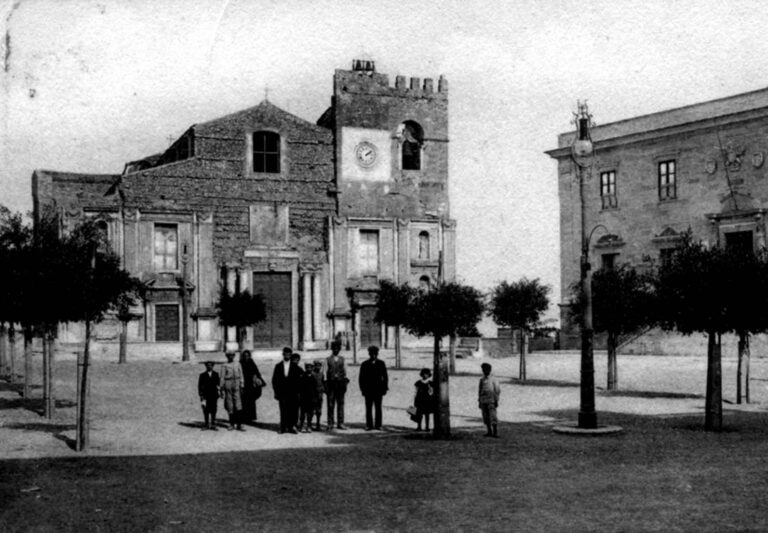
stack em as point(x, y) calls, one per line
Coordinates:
point(740, 242)
point(167, 322)
point(275, 289)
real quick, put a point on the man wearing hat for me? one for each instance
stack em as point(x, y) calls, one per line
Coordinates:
point(285, 385)
point(374, 384)
point(231, 390)
point(335, 385)
point(208, 390)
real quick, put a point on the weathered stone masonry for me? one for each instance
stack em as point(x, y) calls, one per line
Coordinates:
point(291, 232)
point(711, 144)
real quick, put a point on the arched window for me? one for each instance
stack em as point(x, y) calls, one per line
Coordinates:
point(425, 283)
point(266, 152)
point(412, 138)
point(424, 245)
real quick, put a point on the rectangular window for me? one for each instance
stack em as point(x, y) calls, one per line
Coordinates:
point(665, 256)
point(266, 152)
point(667, 180)
point(608, 190)
point(609, 261)
point(369, 252)
point(166, 247)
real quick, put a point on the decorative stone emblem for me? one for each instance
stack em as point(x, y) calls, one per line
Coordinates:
point(758, 158)
point(733, 155)
point(710, 166)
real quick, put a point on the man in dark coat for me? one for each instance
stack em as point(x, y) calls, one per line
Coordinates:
point(285, 383)
point(374, 384)
point(208, 390)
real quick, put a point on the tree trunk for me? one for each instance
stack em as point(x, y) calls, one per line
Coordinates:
point(742, 372)
point(747, 357)
point(27, 390)
point(440, 384)
point(240, 338)
point(398, 352)
point(12, 353)
point(46, 377)
point(613, 375)
point(49, 400)
point(739, 367)
point(714, 401)
point(452, 354)
point(81, 442)
point(3, 350)
point(523, 350)
point(122, 356)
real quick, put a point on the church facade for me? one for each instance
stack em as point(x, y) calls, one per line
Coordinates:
point(699, 168)
point(308, 215)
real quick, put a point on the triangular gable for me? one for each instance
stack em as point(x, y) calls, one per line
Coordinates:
point(266, 115)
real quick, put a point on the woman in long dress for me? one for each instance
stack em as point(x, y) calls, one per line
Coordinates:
point(253, 384)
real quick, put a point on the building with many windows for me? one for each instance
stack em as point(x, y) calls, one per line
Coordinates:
point(699, 167)
point(309, 215)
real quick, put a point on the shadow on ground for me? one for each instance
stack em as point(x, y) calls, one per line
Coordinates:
point(398, 479)
point(33, 404)
point(540, 383)
point(649, 394)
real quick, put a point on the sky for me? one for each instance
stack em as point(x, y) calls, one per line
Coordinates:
point(88, 85)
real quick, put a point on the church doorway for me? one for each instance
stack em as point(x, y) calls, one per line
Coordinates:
point(275, 289)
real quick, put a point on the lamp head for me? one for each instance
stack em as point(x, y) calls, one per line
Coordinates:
point(583, 147)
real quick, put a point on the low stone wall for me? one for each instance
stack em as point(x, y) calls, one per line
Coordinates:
point(659, 342)
point(498, 348)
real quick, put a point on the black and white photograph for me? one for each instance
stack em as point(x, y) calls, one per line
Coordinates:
point(383, 266)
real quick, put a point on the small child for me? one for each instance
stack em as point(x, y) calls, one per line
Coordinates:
point(317, 374)
point(307, 395)
point(488, 400)
point(423, 400)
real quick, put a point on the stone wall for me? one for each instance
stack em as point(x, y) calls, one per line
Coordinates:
point(720, 175)
point(218, 180)
point(366, 100)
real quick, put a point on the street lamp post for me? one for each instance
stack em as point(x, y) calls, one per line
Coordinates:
point(184, 306)
point(583, 156)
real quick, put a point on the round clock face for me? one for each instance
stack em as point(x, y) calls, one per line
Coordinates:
point(365, 153)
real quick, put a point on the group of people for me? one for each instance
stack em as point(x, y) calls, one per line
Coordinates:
point(239, 384)
point(299, 392)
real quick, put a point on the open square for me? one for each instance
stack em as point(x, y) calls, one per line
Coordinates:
point(151, 467)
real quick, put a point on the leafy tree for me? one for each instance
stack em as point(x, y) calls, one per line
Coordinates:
point(240, 310)
point(696, 289)
point(393, 306)
point(622, 302)
point(95, 285)
point(519, 305)
point(443, 311)
point(15, 243)
point(749, 283)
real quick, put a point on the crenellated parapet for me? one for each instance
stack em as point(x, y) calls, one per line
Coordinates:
point(363, 79)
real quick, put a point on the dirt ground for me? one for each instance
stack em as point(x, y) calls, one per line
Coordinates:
point(150, 467)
